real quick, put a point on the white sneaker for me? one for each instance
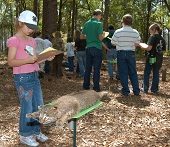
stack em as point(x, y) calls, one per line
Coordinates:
point(30, 140)
point(41, 137)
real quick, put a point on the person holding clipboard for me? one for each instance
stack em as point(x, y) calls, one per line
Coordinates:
point(155, 47)
point(23, 58)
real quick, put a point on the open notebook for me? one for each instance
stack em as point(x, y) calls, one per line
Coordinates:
point(47, 53)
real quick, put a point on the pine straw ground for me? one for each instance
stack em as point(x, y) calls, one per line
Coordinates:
point(122, 122)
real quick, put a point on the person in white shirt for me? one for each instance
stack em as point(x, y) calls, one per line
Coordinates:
point(70, 55)
point(126, 39)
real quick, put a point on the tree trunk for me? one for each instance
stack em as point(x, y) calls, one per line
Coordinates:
point(35, 9)
point(147, 22)
point(167, 5)
point(73, 18)
point(49, 23)
point(164, 74)
point(147, 19)
point(106, 14)
point(60, 16)
point(105, 25)
point(49, 20)
point(68, 25)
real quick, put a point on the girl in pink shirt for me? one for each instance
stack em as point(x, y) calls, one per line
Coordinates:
point(22, 57)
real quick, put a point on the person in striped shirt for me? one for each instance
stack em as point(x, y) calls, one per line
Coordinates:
point(126, 39)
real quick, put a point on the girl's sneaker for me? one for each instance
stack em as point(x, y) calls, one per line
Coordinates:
point(30, 140)
point(41, 137)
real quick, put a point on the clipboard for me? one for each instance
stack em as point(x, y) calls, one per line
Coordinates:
point(106, 34)
point(47, 53)
point(143, 45)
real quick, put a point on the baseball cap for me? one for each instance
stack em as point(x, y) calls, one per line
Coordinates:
point(97, 12)
point(29, 19)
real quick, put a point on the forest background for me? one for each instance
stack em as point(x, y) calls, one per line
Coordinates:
point(69, 15)
point(122, 122)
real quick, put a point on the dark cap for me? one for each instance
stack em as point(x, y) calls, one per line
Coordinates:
point(97, 12)
point(111, 27)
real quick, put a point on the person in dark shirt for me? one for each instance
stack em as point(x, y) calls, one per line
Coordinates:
point(80, 45)
point(111, 50)
point(156, 44)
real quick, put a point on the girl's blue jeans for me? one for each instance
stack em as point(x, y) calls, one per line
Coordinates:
point(155, 78)
point(30, 97)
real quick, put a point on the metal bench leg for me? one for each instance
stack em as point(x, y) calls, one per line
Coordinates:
point(74, 133)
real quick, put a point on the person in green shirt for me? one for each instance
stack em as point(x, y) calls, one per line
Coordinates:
point(93, 33)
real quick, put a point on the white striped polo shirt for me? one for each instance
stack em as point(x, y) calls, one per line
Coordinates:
point(125, 38)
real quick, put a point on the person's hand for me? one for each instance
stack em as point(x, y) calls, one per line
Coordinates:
point(108, 49)
point(32, 59)
point(137, 45)
point(51, 58)
point(103, 33)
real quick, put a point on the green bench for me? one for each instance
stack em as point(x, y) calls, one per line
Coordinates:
point(80, 114)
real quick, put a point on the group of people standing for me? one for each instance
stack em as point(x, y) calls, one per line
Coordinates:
point(89, 44)
point(121, 44)
point(57, 42)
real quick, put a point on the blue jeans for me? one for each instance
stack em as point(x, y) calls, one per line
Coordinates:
point(30, 97)
point(81, 57)
point(155, 78)
point(127, 68)
point(110, 57)
point(71, 64)
point(93, 58)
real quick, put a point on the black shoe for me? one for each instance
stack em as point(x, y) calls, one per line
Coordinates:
point(137, 95)
point(117, 77)
point(155, 92)
point(111, 80)
point(97, 90)
point(125, 95)
point(86, 88)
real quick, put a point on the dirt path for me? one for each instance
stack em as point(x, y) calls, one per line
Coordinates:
point(121, 122)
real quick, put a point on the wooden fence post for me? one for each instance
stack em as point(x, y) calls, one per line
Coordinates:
point(164, 74)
